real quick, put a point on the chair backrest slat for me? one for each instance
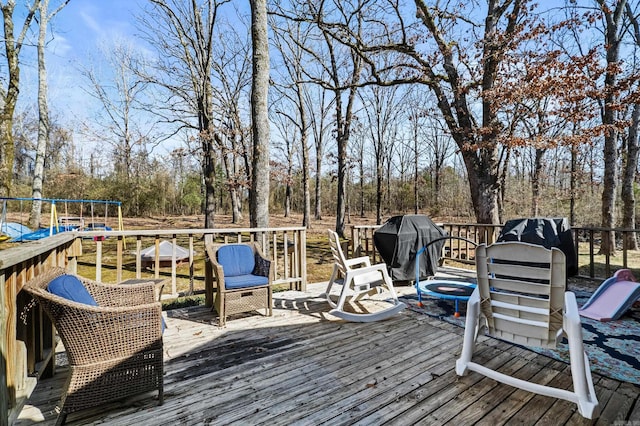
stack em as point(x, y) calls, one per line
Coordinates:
point(541, 272)
point(336, 251)
point(521, 286)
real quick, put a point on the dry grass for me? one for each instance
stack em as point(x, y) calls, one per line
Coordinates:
point(319, 262)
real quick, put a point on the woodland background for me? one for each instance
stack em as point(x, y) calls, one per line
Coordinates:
point(473, 111)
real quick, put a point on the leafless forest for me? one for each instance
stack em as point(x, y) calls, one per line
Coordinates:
point(478, 111)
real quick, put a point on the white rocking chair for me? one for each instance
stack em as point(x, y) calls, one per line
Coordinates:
point(521, 298)
point(360, 279)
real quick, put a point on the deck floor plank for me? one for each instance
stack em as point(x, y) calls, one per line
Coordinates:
point(434, 399)
point(404, 402)
point(302, 366)
point(338, 365)
point(387, 377)
point(539, 404)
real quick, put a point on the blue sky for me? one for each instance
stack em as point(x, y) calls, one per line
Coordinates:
point(75, 36)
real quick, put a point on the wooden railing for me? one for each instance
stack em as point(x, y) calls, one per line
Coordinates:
point(121, 251)
point(602, 266)
point(362, 243)
point(586, 240)
point(28, 341)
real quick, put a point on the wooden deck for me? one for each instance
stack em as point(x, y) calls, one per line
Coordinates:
point(304, 367)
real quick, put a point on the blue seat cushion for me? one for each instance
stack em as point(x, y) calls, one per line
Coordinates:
point(242, 281)
point(71, 288)
point(236, 259)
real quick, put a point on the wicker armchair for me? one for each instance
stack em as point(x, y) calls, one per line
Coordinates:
point(114, 349)
point(241, 290)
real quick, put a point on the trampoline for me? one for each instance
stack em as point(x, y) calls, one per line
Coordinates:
point(443, 289)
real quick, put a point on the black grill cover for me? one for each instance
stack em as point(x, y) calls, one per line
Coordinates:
point(547, 232)
point(400, 238)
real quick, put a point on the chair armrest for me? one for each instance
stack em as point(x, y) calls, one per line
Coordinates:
point(272, 270)
point(218, 272)
point(121, 295)
point(364, 260)
point(379, 267)
point(571, 318)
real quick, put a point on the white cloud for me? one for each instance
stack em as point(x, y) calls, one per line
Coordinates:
point(90, 22)
point(59, 45)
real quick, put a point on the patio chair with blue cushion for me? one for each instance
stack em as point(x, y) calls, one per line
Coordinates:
point(243, 277)
point(112, 336)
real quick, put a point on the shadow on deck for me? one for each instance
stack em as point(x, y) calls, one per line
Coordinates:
point(303, 366)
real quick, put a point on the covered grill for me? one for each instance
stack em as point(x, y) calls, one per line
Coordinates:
point(546, 232)
point(400, 238)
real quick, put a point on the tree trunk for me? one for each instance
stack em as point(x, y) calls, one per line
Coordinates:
point(628, 178)
point(361, 178)
point(306, 192)
point(341, 205)
point(416, 201)
point(535, 182)
point(573, 185)
point(287, 200)
point(319, 145)
point(318, 189)
point(236, 205)
point(259, 197)
point(609, 119)
point(379, 189)
point(43, 120)
point(208, 171)
point(11, 97)
point(483, 184)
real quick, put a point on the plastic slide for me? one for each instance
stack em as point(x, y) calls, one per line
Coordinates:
point(613, 298)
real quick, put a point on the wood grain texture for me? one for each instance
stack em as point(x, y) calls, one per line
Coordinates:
point(303, 367)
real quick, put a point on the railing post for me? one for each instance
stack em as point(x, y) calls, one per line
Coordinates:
point(303, 259)
point(208, 274)
point(119, 252)
point(10, 335)
point(592, 271)
point(625, 238)
point(4, 384)
point(191, 265)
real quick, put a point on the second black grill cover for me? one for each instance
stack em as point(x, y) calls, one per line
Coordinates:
point(546, 232)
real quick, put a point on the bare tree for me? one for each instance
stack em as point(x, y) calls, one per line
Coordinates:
point(9, 94)
point(382, 107)
point(465, 53)
point(341, 73)
point(630, 164)
point(416, 113)
point(614, 31)
point(288, 39)
point(122, 120)
point(43, 111)
point(320, 126)
point(259, 196)
point(286, 144)
point(231, 78)
point(182, 33)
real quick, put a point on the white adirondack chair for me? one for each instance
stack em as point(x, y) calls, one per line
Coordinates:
point(359, 279)
point(521, 298)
